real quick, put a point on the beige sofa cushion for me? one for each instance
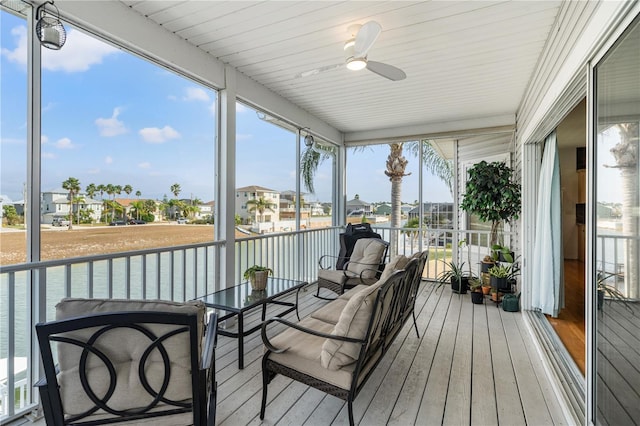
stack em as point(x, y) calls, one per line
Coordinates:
point(330, 312)
point(366, 257)
point(353, 322)
point(397, 263)
point(124, 348)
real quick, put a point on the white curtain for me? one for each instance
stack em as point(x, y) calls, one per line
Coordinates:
point(547, 288)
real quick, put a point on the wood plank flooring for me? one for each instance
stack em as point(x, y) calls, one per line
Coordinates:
point(471, 365)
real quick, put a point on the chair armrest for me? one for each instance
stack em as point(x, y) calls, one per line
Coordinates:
point(333, 259)
point(375, 267)
point(272, 348)
point(210, 342)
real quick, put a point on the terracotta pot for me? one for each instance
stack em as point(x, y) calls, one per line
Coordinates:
point(259, 281)
point(496, 297)
point(486, 289)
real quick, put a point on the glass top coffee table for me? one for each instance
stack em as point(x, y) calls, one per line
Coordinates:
point(241, 298)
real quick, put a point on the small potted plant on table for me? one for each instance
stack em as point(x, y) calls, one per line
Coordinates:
point(257, 276)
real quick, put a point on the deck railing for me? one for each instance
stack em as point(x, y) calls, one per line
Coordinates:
point(30, 291)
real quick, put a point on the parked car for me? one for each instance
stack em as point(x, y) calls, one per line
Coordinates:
point(136, 222)
point(118, 223)
point(182, 220)
point(57, 221)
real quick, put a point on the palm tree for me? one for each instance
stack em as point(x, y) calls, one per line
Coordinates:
point(625, 153)
point(73, 186)
point(175, 189)
point(260, 205)
point(102, 188)
point(138, 193)
point(91, 190)
point(110, 189)
point(396, 166)
point(128, 189)
point(77, 200)
point(138, 206)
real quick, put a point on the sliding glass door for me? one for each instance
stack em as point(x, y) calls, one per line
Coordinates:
point(616, 218)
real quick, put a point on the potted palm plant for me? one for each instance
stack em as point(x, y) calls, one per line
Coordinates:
point(456, 276)
point(475, 286)
point(257, 276)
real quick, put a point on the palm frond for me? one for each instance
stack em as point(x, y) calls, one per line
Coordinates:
point(433, 161)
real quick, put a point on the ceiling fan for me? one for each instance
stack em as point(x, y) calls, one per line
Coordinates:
point(356, 48)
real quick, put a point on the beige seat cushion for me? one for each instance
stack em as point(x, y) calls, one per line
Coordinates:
point(124, 347)
point(335, 276)
point(353, 322)
point(366, 257)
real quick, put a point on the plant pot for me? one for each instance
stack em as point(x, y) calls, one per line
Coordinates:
point(259, 280)
point(485, 278)
point(501, 284)
point(477, 297)
point(496, 297)
point(485, 266)
point(463, 284)
point(486, 289)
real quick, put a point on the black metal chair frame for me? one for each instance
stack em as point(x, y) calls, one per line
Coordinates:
point(386, 322)
point(203, 384)
point(350, 279)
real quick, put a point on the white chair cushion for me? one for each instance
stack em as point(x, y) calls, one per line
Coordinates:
point(397, 263)
point(366, 257)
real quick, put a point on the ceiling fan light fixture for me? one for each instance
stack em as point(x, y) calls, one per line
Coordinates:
point(356, 64)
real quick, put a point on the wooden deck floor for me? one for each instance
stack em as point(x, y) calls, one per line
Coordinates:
point(472, 365)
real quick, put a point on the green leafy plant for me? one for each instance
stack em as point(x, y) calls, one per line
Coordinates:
point(500, 271)
point(250, 273)
point(454, 273)
point(498, 249)
point(492, 195)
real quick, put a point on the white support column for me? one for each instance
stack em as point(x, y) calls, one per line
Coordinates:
point(531, 159)
point(226, 181)
point(339, 186)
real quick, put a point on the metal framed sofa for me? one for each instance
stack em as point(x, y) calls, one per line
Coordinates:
point(364, 266)
point(338, 346)
point(128, 362)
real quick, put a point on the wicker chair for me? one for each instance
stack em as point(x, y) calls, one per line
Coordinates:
point(363, 267)
point(128, 362)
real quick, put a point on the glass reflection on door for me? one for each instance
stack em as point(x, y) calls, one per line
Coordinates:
point(617, 221)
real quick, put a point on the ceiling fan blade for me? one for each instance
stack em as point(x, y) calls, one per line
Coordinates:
point(365, 38)
point(386, 70)
point(318, 70)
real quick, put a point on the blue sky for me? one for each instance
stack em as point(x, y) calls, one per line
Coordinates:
point(110, 117)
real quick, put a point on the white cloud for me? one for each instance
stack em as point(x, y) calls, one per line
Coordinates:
point(49, 155)
point(64, 143)
point(243, 136)
point(93, 171)
point(157, 135)
point(48, 107)
point(44, 139)
point(241, 108)
point(78, 54)
point(108, 159)
point(196, 94)
point(144, 165)
point(212, 108)
point(110, 127)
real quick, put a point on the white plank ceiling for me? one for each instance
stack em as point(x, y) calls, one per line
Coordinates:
point(466, 61)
